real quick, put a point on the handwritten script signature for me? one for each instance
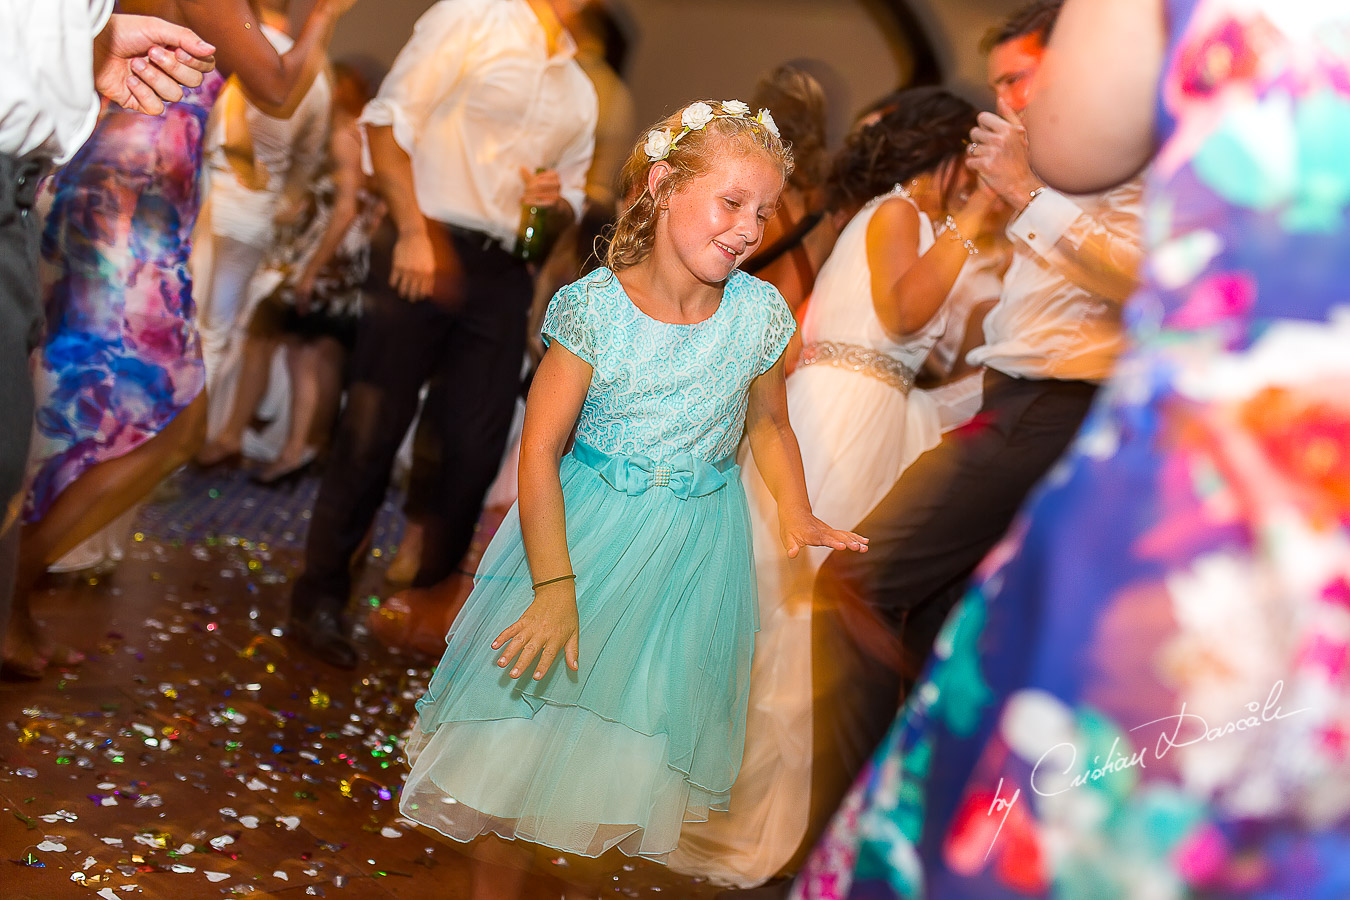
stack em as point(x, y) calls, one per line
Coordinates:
point(1181, 730)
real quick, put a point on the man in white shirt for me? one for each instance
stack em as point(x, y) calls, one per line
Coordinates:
point(1051, 339)
point(484, 109)
point(56, 58)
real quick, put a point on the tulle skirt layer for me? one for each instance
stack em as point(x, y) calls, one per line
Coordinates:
point(648, 734)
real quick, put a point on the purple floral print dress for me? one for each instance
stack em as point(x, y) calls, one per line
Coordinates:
point(121, 356)
point(1147, 691)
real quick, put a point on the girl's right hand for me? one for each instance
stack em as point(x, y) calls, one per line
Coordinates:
point(549, 624)
point(304, 290)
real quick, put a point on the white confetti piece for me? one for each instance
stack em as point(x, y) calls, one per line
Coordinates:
point(181, 869)
point(221, 842)
point(248, 821)
point(51, 847)
point(213, 877)
point(107, 894)
point(390, 832)
point(256, 785)
point(282, 875)
point(291, 822)
point(60, 815)
point(112, 842)
point(108, 801)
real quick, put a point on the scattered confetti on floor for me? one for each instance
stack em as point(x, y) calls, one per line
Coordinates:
point(197, 753)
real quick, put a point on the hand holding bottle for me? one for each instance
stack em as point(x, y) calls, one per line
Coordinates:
point(543, 187)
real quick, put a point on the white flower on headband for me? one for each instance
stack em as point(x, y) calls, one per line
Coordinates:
point(734, 108)
point(766, 119)
point(696, 115)
point(658, 144)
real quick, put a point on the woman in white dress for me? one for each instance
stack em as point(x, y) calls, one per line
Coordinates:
point(878, 307)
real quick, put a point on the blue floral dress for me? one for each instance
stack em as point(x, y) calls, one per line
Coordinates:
point(1147, 692)
point(648, 734)
point(121, 357)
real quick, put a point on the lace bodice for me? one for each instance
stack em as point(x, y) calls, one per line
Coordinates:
point(659, 389)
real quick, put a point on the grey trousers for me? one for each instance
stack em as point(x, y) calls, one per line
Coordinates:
point(20, 328)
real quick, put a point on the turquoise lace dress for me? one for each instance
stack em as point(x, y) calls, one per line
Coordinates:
point(648, 734)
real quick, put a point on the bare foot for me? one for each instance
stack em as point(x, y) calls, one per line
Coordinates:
point(219, 452)
point(408, 559)
point(417, 619)
point(22, 660)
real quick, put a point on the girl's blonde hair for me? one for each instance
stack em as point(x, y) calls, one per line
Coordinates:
point(694, 153)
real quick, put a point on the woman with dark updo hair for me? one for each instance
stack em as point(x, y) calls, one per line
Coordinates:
point(913, 214)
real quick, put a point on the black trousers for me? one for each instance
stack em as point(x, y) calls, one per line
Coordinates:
point(878, 613)
point(468, 340)
point(20, 329)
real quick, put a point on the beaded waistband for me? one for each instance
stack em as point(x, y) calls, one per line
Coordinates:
point(862, 359)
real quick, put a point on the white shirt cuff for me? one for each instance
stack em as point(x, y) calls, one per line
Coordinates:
point(99, 20)
point(1044, 220)
point(576, 199)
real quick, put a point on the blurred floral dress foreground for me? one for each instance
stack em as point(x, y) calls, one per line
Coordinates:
point(1145, 694)
point(121, 357)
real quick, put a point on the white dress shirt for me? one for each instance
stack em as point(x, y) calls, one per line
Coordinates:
point(48, 106)
point(280, 145)
point(1075, 263)
point(473, 97)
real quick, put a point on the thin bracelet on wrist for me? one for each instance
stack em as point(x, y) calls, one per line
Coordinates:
point(568, 577)
point(956, 234)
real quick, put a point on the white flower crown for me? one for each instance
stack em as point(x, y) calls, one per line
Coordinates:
point(695, 117)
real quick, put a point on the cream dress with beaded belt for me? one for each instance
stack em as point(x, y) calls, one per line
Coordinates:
point(859, 426)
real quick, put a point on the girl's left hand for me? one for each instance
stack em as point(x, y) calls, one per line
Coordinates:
point(805, 530)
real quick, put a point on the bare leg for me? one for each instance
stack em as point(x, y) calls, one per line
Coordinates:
point(96, 498)
point(316, 382)
point(255, 368)
point(500, 869)
point(329, 355)
point(300, 363)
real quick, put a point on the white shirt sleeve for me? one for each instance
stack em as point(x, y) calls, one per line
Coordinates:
point(1099, 249)
point(575, 163)
point(425, 71)
point(47, 101)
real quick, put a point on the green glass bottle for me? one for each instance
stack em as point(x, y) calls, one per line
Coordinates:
point(532, 236)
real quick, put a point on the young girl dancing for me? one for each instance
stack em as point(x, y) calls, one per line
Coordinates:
point(629, 554)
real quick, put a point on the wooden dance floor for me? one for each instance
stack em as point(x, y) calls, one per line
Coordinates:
point(195, 753)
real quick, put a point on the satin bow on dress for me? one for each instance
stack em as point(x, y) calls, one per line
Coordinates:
point(685, 474)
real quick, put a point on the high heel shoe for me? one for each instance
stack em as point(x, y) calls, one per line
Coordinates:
point(288, 477)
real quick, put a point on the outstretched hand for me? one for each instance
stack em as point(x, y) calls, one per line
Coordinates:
point(143, 62)
point(548, 626)
point(805, 530)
